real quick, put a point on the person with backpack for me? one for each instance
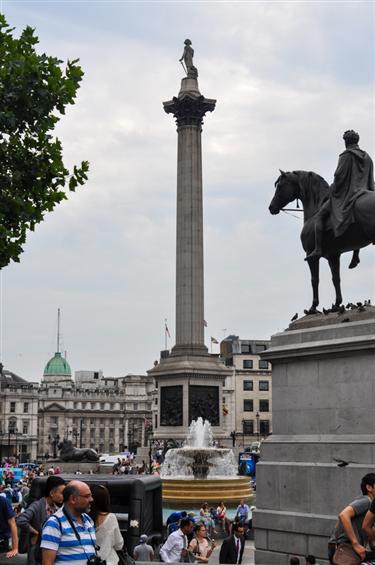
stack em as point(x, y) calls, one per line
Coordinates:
point(30, 522)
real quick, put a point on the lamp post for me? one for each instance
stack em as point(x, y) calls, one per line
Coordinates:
point(258, 430)
point(130, 440)
point(150, 439)
point(16, 434)
point(12, 431)
point(80, 431)
point(54, 440)
point(74, 435)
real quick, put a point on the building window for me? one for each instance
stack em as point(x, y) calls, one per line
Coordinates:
point(12, 407)
point(245, 348)
point(25, 407)
point(260, 347)
point(248, 427)
point(248, 405)
point(247, 364)
point(264, 426)
point(264, 385)
point(135, 406)
point(263, 364)
point(248, 385)
point(25, 428)
point(12, 425)
point(264, 406)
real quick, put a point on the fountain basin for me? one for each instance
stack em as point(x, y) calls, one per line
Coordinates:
point(201, 472)
point(195, 491)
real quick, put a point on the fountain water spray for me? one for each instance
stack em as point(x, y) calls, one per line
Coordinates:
point(199, 458)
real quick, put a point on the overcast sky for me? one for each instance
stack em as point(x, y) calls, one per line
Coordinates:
point(289, 79)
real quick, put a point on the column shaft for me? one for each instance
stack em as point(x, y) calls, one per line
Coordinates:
point(189, 247)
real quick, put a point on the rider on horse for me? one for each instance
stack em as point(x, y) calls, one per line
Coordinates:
point(353, 177)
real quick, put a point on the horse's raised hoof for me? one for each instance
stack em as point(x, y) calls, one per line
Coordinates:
point(354, 262)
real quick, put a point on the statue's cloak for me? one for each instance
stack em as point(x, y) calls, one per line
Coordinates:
point(353, 177)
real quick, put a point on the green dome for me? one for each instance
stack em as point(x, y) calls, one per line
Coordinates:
point(57, 366)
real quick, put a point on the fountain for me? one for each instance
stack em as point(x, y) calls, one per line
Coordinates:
point(199, 471)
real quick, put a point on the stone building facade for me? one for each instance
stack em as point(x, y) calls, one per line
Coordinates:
point(109, 414)
point(18, 416)
point(90, 410)
point(105, 413)
point(249, 389)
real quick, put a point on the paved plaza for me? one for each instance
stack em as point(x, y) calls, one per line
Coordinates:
point(248, 556)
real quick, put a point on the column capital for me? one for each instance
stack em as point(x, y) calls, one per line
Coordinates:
point(189, 110)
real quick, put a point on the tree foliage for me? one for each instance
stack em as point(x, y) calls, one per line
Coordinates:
point(34, 91)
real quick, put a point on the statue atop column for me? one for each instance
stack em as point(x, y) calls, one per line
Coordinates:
point(187, 60)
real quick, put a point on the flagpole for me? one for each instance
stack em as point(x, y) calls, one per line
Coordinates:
point(165, 333)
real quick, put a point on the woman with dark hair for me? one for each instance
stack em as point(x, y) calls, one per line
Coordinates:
point(199, 545)
point(108, 535)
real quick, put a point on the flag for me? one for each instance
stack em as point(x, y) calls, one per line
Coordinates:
point(167, 331)
point(205, 323)
point(214, 340)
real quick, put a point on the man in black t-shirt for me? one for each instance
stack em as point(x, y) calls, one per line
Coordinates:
point(368, 524)
point(351, 538)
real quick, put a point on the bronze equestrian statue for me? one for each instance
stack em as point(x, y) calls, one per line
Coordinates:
point(337, 219)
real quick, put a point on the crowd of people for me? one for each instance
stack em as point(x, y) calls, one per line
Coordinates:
point(71, 523)
point(74, 523)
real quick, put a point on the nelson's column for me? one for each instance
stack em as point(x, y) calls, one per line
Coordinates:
point(189, 380)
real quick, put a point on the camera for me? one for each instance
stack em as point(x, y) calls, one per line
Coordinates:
point(96, 560)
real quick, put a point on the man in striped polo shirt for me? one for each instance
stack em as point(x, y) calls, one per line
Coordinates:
point(68, 536)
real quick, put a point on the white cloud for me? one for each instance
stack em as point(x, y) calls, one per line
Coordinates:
point(288, 80)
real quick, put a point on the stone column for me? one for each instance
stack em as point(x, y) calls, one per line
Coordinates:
point(189, 109)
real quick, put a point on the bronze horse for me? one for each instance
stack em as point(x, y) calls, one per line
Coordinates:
point(313, 191)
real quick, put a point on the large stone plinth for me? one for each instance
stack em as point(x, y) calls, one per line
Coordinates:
point(323, 410)
point(189, 386)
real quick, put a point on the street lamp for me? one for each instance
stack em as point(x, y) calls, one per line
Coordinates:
point(130, 440)
point(80, 432)
point(54, 442)
point(258, 429)
point(150, 439)
point(12, 431)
